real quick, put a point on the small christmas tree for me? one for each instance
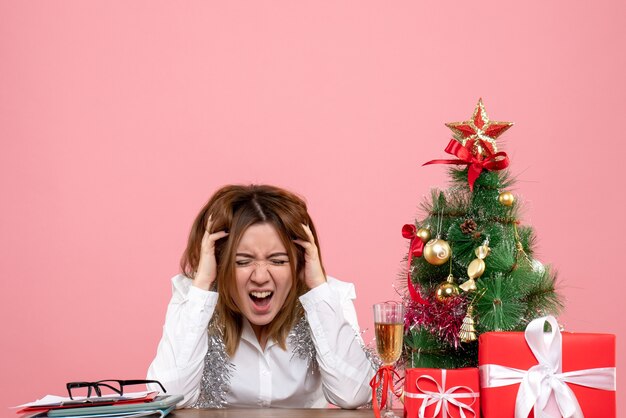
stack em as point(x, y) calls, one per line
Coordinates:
point(471, 265)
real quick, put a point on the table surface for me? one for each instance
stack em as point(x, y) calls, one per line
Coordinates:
point(275, 413)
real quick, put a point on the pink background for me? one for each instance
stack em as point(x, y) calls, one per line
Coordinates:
point(118, 120)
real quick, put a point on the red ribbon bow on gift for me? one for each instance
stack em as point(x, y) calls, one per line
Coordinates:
point(416, 248)
point(383, 376)
point(476, 163)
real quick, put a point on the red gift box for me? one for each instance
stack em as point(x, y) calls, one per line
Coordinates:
point(441, 393)
point(584, 358)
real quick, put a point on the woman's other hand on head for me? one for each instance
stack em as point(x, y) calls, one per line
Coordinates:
point(313, 272)
point(207, 266)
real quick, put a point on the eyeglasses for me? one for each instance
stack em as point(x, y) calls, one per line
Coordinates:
point(116, 386)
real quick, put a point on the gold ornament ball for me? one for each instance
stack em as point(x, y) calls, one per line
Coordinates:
point(446, 290)
point(506, 198)
point(423, 234)
point(437, 251)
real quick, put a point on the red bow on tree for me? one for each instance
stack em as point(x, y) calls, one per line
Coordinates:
point(416, 248)
point(476, 163)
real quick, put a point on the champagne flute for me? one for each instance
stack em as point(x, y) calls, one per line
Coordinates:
point(389, 329)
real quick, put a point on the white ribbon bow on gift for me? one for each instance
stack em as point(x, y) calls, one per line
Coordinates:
point(541, 380)
point(442, 398)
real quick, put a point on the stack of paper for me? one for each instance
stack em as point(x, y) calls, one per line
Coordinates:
point(138, 404)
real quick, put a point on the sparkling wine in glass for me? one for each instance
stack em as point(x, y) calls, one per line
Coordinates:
point(389, 329)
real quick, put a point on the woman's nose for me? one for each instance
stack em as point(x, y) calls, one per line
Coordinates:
point(261, 271)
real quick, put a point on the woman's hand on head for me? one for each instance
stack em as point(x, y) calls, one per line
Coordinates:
point(313, 273)
point(207, 266)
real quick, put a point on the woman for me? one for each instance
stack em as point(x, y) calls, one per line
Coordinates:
point(260, 324)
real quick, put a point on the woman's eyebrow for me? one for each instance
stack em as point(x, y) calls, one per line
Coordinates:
point(244, 255)
point(278, 255)
point(247, 255)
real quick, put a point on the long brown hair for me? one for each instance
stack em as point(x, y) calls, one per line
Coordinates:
point(235, 208)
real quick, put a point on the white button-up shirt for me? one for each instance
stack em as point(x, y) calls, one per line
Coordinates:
point(272, 377)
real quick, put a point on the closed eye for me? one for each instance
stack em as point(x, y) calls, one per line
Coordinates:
point(271, 262)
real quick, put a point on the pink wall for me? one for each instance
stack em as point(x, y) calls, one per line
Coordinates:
point(118, 119)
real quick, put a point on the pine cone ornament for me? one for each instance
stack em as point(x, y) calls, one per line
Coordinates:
point(469, 226)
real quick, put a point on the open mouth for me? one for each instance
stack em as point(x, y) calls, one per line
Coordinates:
point(261, 299)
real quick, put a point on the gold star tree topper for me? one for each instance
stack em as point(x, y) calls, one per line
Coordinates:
point(479, 132)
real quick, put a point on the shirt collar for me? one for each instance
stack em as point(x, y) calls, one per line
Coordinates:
point(247, 334)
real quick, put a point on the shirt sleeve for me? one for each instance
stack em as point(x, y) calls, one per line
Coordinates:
point(345, 369)
point(180, 354)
